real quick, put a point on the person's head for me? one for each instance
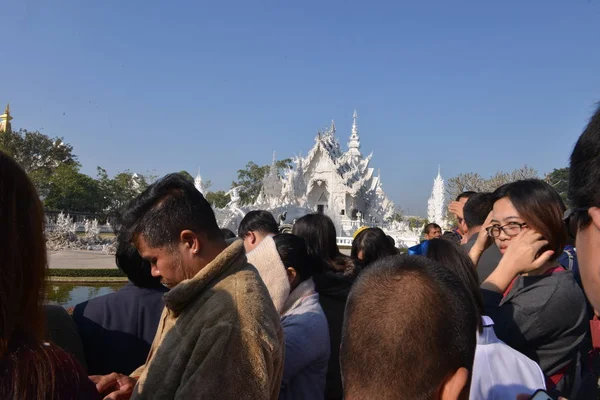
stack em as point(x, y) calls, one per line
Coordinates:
point(450, 255)
point(432, 231)
point(370, 245)
point(295, 258)
point(584, 195)
point(476, 210)
point(255, 226)
point(406, 351)
point(228, 234)
point(451, 236)
point(465, 196)
point(24, 262)
point(138, 270)
point(174, 228)
point(392, 241)
point(528, 204)
point(462, 199)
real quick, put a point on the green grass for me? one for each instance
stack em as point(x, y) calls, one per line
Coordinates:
point(89, 279)
point(86, 273)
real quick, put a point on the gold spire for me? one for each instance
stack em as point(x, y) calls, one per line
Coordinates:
point(5, 119)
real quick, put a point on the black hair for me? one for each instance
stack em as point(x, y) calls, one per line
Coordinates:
point(540, 206)
point(132, 264)
point(227, 233)
point(584, 170)
point(392, 241)
point(477, 208)
point(293, 254)
point(451, 236)
point(165, 209)
point(431, 226)
point(466, 194)
point(374, 244)
point(321, 242)
point(425, 330)
point(258, 221)
point(451, 256)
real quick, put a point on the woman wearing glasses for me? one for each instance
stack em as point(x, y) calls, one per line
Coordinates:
point(536, 305)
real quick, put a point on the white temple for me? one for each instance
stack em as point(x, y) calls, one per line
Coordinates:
point(436, 210)
point(340, 184)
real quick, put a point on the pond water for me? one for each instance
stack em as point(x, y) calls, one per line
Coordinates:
point(71, 294)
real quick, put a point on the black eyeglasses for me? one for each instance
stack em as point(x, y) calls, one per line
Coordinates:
point(510, 229)
point(572, 223)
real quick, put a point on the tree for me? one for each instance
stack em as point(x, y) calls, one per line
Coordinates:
point(475, 182)
point(70, 190)
point(218, 199)
point(417, 222)
point(252, 176)
point(559, 180)
point(38, 154)
point(119, 190)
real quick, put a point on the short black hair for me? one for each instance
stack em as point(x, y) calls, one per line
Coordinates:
point(374, 244)
point(450, 255)
point(132, 264)
point(258, 221)
point(293, 254)
point(584, 170)
point(410, 347)
point(431, 226)
point(165, 209)
point(467, 194)
point(227, 233)
point(477, 208)
point(451, 236)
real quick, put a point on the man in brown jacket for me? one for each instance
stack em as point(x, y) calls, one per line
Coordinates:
point(219, 334)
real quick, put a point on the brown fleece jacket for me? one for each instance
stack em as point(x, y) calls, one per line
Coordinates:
point(219, 337)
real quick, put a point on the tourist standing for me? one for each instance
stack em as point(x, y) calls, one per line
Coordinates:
point(536, 305)
point(117, 329)
point(219, 335)
point(456, 207)
point(334, 275)
point(432, 231)
point(255, 226)
point(30, 367)
point(370, 245)
point(409, 333)
point(499, 371)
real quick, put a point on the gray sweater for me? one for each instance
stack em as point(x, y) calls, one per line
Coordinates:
point(543, 317)
point(307, 345)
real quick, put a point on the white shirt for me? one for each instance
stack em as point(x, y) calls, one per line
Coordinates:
point(501, 372)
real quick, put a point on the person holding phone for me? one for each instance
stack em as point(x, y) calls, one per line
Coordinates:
point(536, 305)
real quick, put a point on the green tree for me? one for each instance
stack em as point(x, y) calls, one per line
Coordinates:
point(252, 176)
point(218, 199)
point(70, 190)
point(38, 154)
point(559, 180)
point(119, 190)
point(417, 222)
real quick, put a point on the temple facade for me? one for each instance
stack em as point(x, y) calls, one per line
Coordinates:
point(5, 125)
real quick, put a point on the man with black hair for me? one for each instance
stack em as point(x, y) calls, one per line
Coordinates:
point(583, 219)
point(456, 208)
point(219, 335)
point(117, 329)
point(409, 332)
point(255, 226)
point(432, 231)
point(475, 212)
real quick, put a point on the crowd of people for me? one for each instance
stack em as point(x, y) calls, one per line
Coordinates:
point(494, 309)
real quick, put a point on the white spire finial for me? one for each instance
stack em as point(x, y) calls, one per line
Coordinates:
point(354, 144)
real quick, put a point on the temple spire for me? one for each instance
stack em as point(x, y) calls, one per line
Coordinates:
point(354, 144)
point(5, 119)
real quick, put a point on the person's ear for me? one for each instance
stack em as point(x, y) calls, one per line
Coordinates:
point(252, 237)
point(190, 241)
point(454, 386)
point(594, 213)
point(291, 274)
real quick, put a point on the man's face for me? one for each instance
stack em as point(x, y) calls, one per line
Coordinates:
point(587, 244)
point(166, 262)
point(434, 233)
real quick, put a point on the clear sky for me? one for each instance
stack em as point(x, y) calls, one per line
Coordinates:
point(170, 85)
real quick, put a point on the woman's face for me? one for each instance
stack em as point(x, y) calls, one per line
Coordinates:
point(504, 215)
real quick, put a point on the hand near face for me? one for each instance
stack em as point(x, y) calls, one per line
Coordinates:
point(521, 256)
point(456, 208)
point(483, 241)
point(115, 386)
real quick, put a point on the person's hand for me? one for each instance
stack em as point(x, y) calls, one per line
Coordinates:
point(117, 386)
point(456, 208)
point(483, 242)
point(522, 254)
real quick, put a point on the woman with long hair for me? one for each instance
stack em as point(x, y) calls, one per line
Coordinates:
point(30, 368)
point(370, 245)
point(536, 305)
point(333, 276)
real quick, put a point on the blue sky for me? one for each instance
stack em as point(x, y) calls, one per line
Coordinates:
point(155, 85)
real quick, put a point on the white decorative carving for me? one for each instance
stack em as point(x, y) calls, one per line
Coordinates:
point(436, 210)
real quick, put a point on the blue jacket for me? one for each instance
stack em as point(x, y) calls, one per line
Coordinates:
point(117, 329)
